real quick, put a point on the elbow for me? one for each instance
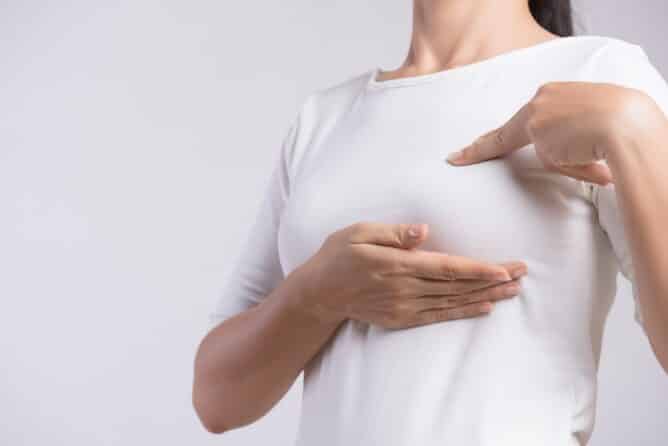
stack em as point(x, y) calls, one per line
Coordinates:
point(213, 427)
point(210, 420)
point(206, 407)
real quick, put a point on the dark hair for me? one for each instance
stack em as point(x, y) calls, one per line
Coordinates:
point(554, 15)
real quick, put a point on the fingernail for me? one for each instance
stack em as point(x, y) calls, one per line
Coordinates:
point(503, 276)
point(455, 156)
point(511, 290)
point(414, 230)
point(519, 271)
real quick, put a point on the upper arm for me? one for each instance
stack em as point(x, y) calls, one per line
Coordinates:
point(256, 270)
point(610, 220)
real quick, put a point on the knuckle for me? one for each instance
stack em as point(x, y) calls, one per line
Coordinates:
point(395, 266)
point(356, 256)
point(403, 292)
point(547, 88)
point(543, 89)
point(499, 137)
point(366, 258)
point(391, 289)
point(399, 234)
point(402, 228)
point(358, 227)
point(448, 271)
point(390, 263)
point(533, 125)
point(533, 105)
point(361, 253)
point(472, 150)
point(331, 237)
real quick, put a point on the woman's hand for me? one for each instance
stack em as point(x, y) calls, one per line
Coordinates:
point(371, 273)
point(572, 125)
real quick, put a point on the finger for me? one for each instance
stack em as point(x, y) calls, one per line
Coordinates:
point(437, 265)
point(516, 268)
point(500, 291)
point(449, 314)
point(433, 287)
point(510, 136)
point(401, 235)
point(595, 172)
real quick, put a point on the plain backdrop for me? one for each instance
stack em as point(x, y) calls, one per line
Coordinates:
point(135, 140)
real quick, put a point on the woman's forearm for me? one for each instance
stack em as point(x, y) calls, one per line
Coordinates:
point(246, 364)
point(641, 184)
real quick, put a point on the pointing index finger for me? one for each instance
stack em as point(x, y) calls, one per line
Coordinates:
point(500, 141)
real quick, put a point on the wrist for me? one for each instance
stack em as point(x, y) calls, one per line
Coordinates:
point(625, 150)
point(640, 125)
point(298, 298)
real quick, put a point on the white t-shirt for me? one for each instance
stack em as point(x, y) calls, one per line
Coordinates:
point(363, 149)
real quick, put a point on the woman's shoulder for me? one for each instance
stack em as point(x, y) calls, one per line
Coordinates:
point(601, 49)
point(626, 63)
point(318, 114)
point(323, 107)
point(601, 41)
point(336, 97)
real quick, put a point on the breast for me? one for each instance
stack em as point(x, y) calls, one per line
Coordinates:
point(494, 210)
point(392, 170)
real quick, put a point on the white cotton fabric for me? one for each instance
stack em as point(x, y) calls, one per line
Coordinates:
point(368, 150)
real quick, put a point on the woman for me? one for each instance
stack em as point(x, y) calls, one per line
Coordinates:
point(392, 323)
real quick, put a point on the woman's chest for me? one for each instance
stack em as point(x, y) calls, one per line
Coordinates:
point(390, 168)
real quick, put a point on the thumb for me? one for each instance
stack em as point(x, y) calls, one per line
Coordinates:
point(411, 235)
point(400, 235)
point(595, 172)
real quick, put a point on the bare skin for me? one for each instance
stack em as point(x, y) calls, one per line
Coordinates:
point(247, 363)
point(451, 33)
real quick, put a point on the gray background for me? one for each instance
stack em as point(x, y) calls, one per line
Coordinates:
point(135, 140)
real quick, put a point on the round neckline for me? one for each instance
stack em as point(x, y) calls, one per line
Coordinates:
point(373, 83)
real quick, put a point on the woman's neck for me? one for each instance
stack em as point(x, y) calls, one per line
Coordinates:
point(449, 33)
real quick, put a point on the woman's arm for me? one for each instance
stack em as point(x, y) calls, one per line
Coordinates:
point(249, 361)
point(368, 272)
point(639, 164)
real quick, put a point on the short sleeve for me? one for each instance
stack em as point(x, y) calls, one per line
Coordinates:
point(628, 65)
point(256, 270)
point(610, 219)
